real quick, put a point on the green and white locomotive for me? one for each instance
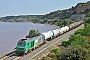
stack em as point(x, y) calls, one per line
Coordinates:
point(26, 44)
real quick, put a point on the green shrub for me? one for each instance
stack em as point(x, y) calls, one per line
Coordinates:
point(73, 53)
point(55, 51)
point(33, 33)
point(64, 43)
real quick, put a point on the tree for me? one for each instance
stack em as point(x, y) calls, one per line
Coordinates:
point(86, 30)
point(76, 40)
point(87, 19)
point(80, 31)
point(65, 43)
point(67, 22)
point(33, 33)
point(58, 23)
point(73, 53)
point(55, 51)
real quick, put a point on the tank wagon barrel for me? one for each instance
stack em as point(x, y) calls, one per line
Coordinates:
point(58, 31)
point(70, 27)
point(61, 31)
point(46, 35)
point(52, 34)
point(55, 33)
point(67, 28)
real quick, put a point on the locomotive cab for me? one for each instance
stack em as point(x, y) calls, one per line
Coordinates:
point(20, 48)
point(25, 45)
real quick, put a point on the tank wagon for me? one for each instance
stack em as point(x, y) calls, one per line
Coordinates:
point(26, 44)
point(67, 28)
point(55, 33)
point(70, 27)
point(58, 31)
point(46, 35)
point(52, 34)
point(61, 31)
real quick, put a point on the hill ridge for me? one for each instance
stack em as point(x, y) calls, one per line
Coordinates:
point(78, 10)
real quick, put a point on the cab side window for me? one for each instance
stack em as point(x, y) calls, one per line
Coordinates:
point(32, 43)
point(27, 43)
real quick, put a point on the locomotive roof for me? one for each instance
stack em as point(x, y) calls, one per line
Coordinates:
point(29, 39)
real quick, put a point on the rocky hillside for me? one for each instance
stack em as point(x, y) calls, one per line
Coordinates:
point(74, 13)
point(79, 9)
point(21, 18)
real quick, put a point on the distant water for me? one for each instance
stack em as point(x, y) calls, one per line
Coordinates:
point(10, 33)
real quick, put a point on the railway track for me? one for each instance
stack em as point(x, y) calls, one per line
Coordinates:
point(13, 56)
point(10, 56)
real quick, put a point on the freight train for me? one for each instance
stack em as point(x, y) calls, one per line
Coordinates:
point(25, 45)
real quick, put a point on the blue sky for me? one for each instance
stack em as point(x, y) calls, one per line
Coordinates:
point(24, 7)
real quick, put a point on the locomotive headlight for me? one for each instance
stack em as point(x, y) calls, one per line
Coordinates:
point(24, 49)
